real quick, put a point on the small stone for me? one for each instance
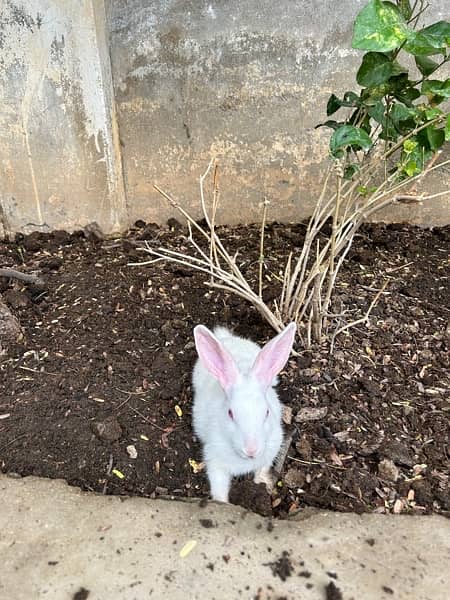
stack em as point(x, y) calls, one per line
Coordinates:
point(408, 410)
point(387, 470)
point(132, 452)
point(108, 430)
point(294, 478)
point(10, 329)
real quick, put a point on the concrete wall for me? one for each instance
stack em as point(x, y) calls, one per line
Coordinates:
point(59, 160)
point(100, 107)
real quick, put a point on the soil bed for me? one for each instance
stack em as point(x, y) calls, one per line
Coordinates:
point(99, 393)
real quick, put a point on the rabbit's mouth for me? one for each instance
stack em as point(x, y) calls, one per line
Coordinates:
point(249, 455)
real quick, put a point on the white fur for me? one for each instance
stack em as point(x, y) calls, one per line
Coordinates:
point(224, 439)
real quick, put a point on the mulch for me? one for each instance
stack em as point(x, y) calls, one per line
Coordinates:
point(99, 391)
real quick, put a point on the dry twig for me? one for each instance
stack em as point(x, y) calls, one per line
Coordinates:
point(25, 277)
point(309, 279)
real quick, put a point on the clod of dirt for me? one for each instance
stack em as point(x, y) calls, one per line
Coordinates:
point(174, 224)
point(423, 492)
point(61, 237)
point(82, 594)
point(370, 386)
point(251, 495)
point(387, 470)
point(398, 453)
point(108, 430)
point(17, 299)
point(306, 574)
point(295, 478)
point(281, 567)
point(33, 242)
point(333, 592)
point(207, 523)
point(51, 264)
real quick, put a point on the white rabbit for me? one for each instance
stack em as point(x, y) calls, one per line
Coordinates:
point(236, 411)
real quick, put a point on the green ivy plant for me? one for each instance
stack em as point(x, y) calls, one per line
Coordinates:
point(403, 110)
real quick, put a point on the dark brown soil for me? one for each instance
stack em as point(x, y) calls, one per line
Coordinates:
point(94, 394)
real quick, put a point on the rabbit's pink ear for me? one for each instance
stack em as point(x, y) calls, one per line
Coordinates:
point(273, 356)
point(215, 357)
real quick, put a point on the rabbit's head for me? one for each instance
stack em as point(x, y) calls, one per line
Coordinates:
point(250, 408)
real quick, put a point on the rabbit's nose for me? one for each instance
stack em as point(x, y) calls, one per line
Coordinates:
point(251, 449)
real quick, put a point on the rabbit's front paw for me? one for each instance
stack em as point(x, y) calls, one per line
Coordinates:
point(219, 482)
point(264, 476)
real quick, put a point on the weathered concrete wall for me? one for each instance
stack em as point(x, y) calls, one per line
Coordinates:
point(95, 108)
point(243, 81)
point(59, 156)
point(238, 80)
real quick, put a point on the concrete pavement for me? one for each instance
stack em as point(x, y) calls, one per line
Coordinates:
point(59, 543)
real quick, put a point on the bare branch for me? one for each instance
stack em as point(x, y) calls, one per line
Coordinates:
point(25, 277)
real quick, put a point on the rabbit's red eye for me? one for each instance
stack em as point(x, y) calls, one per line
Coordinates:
point(230, 414)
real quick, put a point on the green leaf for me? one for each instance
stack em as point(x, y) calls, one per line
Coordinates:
point(436, 137)
point(447, 129)
point(434, 87)
point(380, 27)
point(432, 113)
point(430, 40)
point(403, 89)
point(350, 170)
point(431, 138)
point(378, 112)
point(413, 157)
point(375, 69)
point(411, 168)
point(405, 8)
point(426, 65)
point(348, 135)
point(409, 146)
point(398, 69)
point(350, 99)
point(400, 113)
point(333, 104)
point(332, 124)
point(407, 96)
